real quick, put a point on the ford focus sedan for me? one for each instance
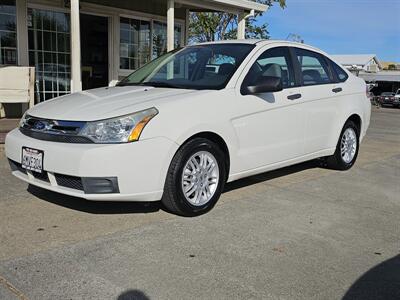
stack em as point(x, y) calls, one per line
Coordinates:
point(180, 127)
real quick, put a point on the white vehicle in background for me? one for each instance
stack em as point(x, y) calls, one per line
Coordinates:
point(397, 98)
point(184, 124)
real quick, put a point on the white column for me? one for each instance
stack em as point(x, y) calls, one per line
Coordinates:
point(241, 30)
point(170, 25)
point(115, 46)
point(22, 33)
point(76, 81)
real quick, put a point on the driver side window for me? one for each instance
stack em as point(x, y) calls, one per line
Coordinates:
point(273, 62)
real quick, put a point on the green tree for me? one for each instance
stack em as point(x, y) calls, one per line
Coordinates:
point(211, 26)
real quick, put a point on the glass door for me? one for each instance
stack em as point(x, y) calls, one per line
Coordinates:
point(49, 52)
point(160, 38)
point(8, 33)
point(94, 51)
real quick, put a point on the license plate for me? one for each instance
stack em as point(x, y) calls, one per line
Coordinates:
point(32, 159)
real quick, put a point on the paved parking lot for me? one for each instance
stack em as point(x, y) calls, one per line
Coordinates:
point(298, 233)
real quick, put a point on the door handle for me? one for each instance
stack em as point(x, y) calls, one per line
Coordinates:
point(294, 96)
point(337, 90)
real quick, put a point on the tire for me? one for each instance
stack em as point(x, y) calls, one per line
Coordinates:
point(174, 198)
point(342, 162)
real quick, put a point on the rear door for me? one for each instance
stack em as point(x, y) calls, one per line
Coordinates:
point(319, 97)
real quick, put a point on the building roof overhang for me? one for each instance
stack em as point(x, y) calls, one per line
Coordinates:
point(356, 59)
point(388, 76)
point(225, 5)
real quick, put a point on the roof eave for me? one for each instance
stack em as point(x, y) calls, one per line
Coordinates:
point(244, 4)
point(231, 6)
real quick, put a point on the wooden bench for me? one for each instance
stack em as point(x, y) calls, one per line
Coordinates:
point(17, 85)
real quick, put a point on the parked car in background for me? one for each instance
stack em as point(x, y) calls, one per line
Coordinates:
point(397, 98)
point(387, 98)
point(186, 123)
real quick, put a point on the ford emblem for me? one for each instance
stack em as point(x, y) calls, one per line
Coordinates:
point(40, 125)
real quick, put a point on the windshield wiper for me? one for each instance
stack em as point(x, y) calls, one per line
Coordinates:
point(161, 84)
point(150, 83)
point(128, 84)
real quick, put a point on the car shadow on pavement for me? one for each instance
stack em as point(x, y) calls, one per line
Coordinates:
point(121, 207)
point(133, 295)
point(382, 282)
point(272, 175)
point(94, 207)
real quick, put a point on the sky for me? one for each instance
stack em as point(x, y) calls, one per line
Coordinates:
point(340, 26)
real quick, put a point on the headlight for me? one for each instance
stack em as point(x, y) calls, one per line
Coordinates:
point(122, 129)
point(23, 120)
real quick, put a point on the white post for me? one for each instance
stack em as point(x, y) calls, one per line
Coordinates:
point(22, 44)
point(241, 30)
point(170, 25)
point(76, 81)
point(115, 46)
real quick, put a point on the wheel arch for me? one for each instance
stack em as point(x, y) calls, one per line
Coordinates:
point(356, 119)
point(217, 139)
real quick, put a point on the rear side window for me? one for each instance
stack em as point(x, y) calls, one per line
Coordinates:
point(313, 67)
point(340, 73)
point(273, 62)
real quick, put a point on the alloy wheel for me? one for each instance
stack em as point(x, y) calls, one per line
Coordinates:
point(200, 178)
point(348, 145)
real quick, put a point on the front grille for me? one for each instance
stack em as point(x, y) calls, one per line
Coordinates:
point(89, 185)
point(41, 176)
point(56, 137)
point(71, 182)
point(54, 130)
point(16, 166)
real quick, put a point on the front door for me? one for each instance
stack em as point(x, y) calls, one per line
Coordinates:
point(94, 51)
point(270, 128)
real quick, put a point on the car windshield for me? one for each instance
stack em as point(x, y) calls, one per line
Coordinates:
point(387, 94)
point(208, 66)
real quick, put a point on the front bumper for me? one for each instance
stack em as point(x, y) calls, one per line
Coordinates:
point(389, 102)
point(139, 168)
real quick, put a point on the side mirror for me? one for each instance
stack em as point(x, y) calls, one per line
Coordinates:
point(265, 84)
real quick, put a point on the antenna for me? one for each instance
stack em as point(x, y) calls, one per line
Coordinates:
point(294, 38)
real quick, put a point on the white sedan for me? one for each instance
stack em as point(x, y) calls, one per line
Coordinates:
point(193, 119)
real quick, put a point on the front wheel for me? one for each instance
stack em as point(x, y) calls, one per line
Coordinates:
point(346, 149)
point(195, 178)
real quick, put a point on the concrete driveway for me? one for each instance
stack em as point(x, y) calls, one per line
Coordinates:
point(298, 233)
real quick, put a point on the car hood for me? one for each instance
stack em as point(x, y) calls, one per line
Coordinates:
point(105, 103)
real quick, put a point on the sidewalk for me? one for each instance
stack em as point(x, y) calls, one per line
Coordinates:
point(6, 125)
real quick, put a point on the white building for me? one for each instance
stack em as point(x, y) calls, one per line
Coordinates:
point(77, 45)
point(368, 67)
point(359, 62)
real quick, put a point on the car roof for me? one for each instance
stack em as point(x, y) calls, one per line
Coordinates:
point(263, 42)
point(250, 41)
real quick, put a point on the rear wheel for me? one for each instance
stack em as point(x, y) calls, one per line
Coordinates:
point(346, 149)
point(195, 178)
